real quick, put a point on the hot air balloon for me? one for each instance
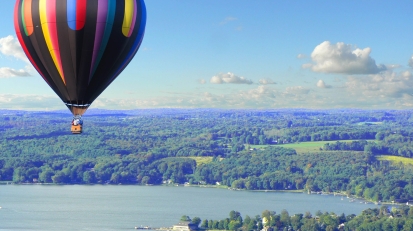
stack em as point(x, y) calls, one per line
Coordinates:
point(79, 46)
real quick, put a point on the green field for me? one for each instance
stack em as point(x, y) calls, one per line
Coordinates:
point(396, 159)
point(302, 147)
point(201, 159)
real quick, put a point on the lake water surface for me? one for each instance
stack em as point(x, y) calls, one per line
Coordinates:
point(106, 207)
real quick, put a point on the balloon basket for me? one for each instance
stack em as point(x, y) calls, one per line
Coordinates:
point(76, 129)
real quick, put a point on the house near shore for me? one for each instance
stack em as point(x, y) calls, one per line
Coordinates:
point(184, 226)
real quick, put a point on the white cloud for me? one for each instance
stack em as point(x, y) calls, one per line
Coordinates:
point(260, 92)
point(229, 78)
point(6, 72)
point(201, 81)
point(266, 81)
point(385, 90)
point(381, 91)
point(392, 66)
point(386, 85)
point(227, 20)
point(297, 90)
point(9, 46)
point(411, 61)
point(343, 58)
point(406, 74)
point(322, 84)
point(301, 56)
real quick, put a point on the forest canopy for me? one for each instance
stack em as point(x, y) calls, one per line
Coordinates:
point(240, 149)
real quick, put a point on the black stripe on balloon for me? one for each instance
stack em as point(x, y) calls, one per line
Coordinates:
point(85, 50)
point(114, 54)
point(66, 48)
point(128, 46)
point(116, 44)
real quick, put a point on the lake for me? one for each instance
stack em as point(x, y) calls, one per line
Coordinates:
point(122, 207)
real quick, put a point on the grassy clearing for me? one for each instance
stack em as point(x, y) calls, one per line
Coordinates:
point(201, 159)
point(396, 159)
point(303, 147)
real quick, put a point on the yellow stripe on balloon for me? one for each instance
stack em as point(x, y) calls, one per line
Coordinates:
point(128, 18)
point(47, 35)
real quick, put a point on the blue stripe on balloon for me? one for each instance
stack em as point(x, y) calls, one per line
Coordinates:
point(106, 35)
point(71, 14)
point(137, 43)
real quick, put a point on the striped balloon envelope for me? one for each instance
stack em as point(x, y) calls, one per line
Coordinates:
point(79, 46)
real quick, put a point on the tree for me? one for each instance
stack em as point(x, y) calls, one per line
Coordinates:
point(46, 176)
point(233, 215)
point(115, 178)
point(234, 225)
point(146, 180)
point(18, 175)
point(204, 224)
point(89, 177)
point(308, 215)
point(59, 178)
point(380, 136)
point(408, 225)
point(285, 217)
point(296, 222)
point(185, 218)
point(310, 225)
point(196, 221)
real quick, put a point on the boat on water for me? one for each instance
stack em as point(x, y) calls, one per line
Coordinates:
point(144, 227)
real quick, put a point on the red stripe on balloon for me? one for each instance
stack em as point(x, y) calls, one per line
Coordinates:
point(20, 38)
point(80, 14)
point(16, 17)
point(52, 25)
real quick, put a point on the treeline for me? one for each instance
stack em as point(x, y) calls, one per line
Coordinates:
point(275, 168)
point(393, 144)
point(383, 219)
point(130, 169)
point(348, 146)
point(354, 173)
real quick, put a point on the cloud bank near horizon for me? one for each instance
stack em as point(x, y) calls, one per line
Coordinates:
point(385, 90)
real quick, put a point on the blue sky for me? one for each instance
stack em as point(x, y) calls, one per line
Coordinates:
point(246, 54)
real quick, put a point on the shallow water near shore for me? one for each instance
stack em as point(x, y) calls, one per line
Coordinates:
point(123, 207)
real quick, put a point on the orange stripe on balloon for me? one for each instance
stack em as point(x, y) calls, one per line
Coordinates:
point(20, 38)
point(28, 16)
point(47, 10)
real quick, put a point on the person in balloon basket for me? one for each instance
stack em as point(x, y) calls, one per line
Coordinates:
point(77, 121)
